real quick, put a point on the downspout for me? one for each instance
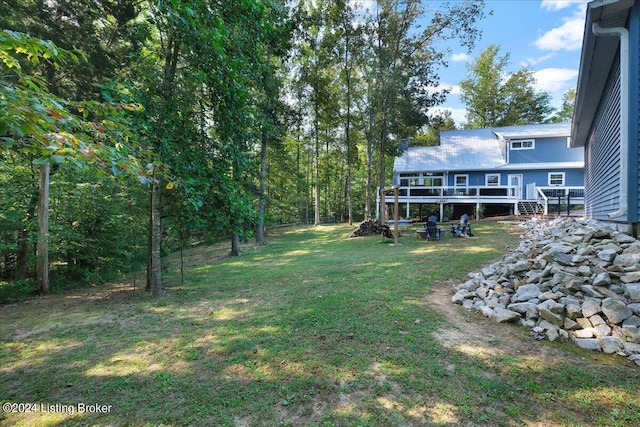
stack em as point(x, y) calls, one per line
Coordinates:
point(624, 112)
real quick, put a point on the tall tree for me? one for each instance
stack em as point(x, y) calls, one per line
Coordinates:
point(494, 97)
point(270, 108)
point(406, 61)
point(215, 60)
point(438, 123)
point(350, 43)
point(317, 74)
point(565, 114)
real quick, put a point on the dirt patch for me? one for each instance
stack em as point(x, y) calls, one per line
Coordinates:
point(473, 334)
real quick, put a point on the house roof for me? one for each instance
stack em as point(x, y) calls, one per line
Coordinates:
point(598, 55)
point(477, 149)
point(534, 131)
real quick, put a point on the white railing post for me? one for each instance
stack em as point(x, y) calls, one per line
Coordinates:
point(545, 198)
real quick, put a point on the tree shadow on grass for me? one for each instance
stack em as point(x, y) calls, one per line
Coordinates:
point(236, 362)
point(341, 348)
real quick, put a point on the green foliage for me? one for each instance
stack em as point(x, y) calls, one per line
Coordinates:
point(493, 100)
point(33, 120)
point(447, 213)
point(565, 114)
point(38, 127)
point(17, 290)
point(97, 228)
point(437, 123)
point(180, 97)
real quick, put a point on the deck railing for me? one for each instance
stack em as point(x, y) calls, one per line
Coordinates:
point(458, 192)
point(545, 195)
point(483, 191)
point(568, 196)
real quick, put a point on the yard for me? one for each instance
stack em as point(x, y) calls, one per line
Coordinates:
point(313, 329)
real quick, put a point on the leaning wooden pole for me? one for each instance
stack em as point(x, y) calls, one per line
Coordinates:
point(42, 247)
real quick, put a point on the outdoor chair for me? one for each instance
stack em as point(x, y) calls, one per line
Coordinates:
point(463, 229)
point(432, 230)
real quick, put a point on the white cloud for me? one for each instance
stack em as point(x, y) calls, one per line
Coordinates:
point(554, 5)
point(453, 89)
point(554, 79)
point(567, 36)
point(460, 57)
point(530, 62)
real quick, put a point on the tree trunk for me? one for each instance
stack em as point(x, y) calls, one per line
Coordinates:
point(42, 247)
point(147, 287)
point(261, 191)
point(383, 140)
point(156, 240)
point(235, 244)
point(347, 69)
point(317, 165)
point(369, 184)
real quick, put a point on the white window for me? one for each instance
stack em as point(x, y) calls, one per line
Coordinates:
point(556, 178)
point(492, 179)
point(433, 179)
point(408, 179)
point(462, 180)
point(523, 144)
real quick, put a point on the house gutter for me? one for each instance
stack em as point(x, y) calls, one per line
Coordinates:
point(624, 112)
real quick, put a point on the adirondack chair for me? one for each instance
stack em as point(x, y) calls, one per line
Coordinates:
point(463, 229)
point(432, 230)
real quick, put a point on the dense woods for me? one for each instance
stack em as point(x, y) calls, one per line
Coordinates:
point(161, 124)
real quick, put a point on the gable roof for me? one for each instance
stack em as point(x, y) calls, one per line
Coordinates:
point(596, 60)
point(475, 149)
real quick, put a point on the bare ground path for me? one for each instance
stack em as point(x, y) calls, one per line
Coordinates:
point(473, 334)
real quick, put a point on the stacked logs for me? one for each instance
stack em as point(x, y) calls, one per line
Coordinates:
point(371, 228)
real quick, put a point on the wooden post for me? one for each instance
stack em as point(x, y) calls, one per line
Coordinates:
point(42, 247)
point(396, 209)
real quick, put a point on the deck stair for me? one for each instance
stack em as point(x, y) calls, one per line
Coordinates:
point(530, 208)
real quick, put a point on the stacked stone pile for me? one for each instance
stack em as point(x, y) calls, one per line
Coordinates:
point(572, 279)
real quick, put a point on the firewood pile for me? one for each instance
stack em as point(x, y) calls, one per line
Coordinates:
point(370, 228)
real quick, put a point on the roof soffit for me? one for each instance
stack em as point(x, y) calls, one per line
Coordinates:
point(598, 55)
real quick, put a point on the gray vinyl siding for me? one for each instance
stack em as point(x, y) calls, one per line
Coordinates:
point(602, 159)
point(634, 115)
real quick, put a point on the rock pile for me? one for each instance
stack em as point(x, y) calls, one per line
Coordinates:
point(370, 228)
point(572, 279)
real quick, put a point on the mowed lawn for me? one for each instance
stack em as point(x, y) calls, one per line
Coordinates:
point(315, 329)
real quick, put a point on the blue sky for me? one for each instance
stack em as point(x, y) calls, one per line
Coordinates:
point(545, 36)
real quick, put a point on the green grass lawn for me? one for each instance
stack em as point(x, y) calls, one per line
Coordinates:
point(313, 329)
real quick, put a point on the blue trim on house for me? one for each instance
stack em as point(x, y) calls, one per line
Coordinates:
point(634, 114)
